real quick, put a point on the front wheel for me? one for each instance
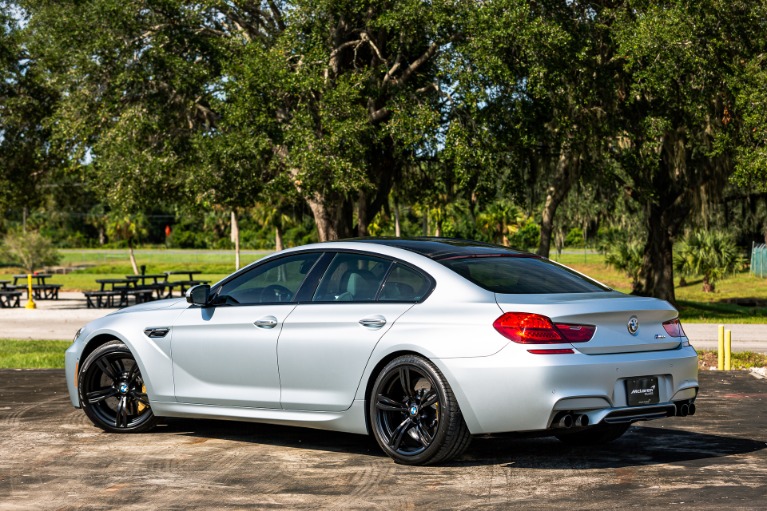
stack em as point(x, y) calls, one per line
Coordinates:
point(414, 415)
point(112, 391)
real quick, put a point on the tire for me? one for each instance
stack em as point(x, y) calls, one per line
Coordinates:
point(594, 435)
point(414, 415)
point(112, 392)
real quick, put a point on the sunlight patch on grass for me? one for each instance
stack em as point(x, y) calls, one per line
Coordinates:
point(19, 354)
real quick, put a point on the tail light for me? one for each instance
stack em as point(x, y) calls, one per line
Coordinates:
point(673, 328)
point(527, 328)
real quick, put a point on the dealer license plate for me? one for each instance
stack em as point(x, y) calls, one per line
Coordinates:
point(642, 391)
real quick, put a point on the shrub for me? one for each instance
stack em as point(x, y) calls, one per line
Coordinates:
point(29, 250)
point(712, 254)
point(627, 257)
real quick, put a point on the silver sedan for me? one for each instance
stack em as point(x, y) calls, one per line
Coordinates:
point(422, 343)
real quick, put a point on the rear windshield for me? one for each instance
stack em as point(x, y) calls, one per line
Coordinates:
point(522, 275)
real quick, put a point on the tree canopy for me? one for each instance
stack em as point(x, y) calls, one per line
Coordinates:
point(513, 121)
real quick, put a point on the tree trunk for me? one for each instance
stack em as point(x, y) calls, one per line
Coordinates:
point(278, 239)
point(132, 258)
point(665, 212)
point(333, 217)
point(657, 274)
point(708, 286)
point(566, 173)
point(397, 231)
point(362, 215)
point(236, 240)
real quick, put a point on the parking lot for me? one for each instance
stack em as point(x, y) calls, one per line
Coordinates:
point(51, 457)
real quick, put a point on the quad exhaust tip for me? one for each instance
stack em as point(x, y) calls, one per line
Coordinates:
point(570, 420)
point(685, 409)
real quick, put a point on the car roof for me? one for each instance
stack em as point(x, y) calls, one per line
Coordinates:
point(440, 249)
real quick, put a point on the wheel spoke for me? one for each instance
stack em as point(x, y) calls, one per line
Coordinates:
point(106, 368)
point(99, 395)
point(140, 397)
point(396, 437)
point(423, 435)
point(404, 379)
point(388, 404)
point(133, 373)
point(121, 417)
point(429, 399)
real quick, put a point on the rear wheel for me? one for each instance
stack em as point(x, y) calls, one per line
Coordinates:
point(414, 414)
point(594, 435)
point(112, 391)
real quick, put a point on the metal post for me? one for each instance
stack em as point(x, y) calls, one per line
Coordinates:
point(720, 349)
point(31, 302)
point(727, 350)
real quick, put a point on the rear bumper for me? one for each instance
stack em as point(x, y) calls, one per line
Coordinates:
point(514, 390)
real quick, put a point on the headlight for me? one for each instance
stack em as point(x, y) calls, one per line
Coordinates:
point(77, 334)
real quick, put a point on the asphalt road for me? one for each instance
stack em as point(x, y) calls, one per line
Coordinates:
point(51, 457)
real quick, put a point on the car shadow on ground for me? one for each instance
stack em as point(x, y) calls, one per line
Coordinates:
point(638, 447)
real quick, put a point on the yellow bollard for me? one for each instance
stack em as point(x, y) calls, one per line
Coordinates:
point(31, 302)
point(720, 350)
point(727, 350)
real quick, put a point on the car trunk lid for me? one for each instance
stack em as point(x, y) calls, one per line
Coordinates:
point(610, 312)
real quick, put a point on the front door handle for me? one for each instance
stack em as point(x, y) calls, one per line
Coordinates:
point(266, 322)
point(373, 322)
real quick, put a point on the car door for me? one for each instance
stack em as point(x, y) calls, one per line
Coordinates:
point(326, 343)
point(226, 353)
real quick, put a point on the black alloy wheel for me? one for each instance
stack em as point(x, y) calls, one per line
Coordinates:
point(112, 391)
point(414, 415)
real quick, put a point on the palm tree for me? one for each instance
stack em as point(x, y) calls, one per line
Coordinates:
point(711, 254)
point(627, 257)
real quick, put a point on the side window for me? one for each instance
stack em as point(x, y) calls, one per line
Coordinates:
point(277, 281)
point(352, 278)
point(404, 285)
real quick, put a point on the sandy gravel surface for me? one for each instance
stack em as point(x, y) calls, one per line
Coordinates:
point(51, 457)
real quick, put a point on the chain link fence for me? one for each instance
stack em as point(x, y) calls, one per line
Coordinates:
point(759, 260)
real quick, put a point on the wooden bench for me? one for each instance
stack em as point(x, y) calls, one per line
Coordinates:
point(102, 299)
point(10, 299)
point(141, 295)
point(46, 291)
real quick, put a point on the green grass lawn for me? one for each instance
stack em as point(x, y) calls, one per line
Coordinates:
point(16, 354)
point(730, 302)
point(726, 304)
point(96, 264)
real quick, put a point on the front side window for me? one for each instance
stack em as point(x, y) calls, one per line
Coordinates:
point(276, 281)
point(352, 278)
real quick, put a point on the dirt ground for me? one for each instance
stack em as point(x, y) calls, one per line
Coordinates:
point(51, 457)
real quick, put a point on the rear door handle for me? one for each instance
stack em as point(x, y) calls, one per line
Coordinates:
point(373, 322)
point(266, 322)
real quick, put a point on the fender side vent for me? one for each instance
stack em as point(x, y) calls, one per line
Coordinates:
point(156, 332)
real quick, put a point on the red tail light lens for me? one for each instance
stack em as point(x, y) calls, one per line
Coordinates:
point(576, 333)
point(674, 328)
point(527, 328)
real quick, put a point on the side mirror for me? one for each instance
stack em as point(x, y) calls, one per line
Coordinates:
point(198, 295)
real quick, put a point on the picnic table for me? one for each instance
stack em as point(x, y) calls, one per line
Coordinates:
point(41, 289)
point(183, 285)
point(9, 297)
point(115, 293)
point(151, 281)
